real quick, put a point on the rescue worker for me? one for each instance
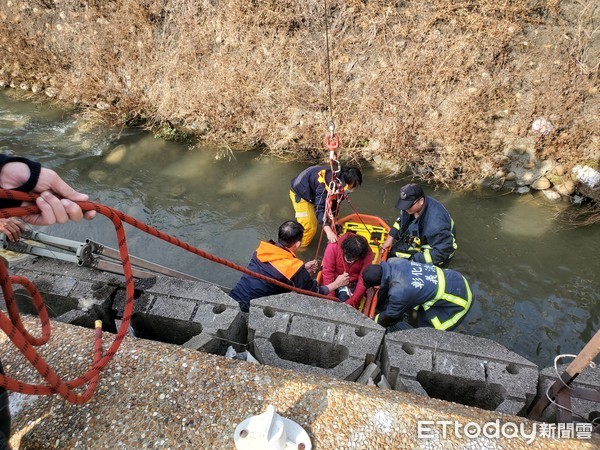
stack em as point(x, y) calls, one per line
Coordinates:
point(440, 297)
point(351, 254)
point(57, 205)
point(278, 261)
point(309, 192)
point(424, 232)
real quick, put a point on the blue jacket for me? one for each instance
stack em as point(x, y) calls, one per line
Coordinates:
point(274, 261)
point(435, 229)
point(311, 185)
point(441, 296)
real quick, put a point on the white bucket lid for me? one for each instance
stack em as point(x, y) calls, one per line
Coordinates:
point(270, 431)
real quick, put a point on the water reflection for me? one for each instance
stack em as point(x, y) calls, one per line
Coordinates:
point(534, 282)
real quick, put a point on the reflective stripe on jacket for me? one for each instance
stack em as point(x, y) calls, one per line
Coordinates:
point(441, 296)
point(435, 230)
point(312, 185)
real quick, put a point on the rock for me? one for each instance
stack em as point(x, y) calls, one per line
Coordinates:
point(511, 176)
point(51, 92)
point(497, 185)
point(116, 155)
point(3, 83)
point(523, 190)
point(102, 105)
point(25, 86)
point(36, 88)
point(566, 188)
point(526, 178)
point(559, 170)
point(98, 176)
point(551, 195)
point(542, 183)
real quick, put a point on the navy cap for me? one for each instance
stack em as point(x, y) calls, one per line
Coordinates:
point(409, 194)
point(372, 275)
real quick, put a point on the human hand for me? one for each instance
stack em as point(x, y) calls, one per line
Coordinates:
point(331, 235)
point(342, 280)
point(53, 209)
point(389, 240)
point(12, 228)
point(312, 266)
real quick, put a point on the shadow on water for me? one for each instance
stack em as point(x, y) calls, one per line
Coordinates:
point(535, 283)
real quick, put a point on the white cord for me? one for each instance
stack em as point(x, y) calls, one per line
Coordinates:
point(566, 355)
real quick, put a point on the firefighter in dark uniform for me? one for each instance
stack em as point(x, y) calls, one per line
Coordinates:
point(440, 297)
point(309, 197)
point(424, 232)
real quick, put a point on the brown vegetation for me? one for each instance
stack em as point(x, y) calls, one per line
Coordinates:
point(444, 86)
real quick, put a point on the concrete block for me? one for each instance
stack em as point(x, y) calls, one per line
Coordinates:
point(410, 386)
point(404, 360)
point(313, 335)
point(191, 313)
point(77, 317)
point(370, 373)
point(141, 304)
point(54, 289)
point(66, 269)
point(461, 368)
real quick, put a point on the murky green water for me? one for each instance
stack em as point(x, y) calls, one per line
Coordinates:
point(536, 283)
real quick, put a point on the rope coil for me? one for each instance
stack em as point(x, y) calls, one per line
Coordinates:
point(14, 329)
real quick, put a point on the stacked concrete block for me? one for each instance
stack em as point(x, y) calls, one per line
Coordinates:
point(583, 410)
point(65, 287)
point(191, 313)
point(313, 335)
point(461, 368)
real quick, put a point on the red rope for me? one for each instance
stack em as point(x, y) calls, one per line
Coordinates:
point(17, 333)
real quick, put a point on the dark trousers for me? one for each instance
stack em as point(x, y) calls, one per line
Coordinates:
point(4, 416)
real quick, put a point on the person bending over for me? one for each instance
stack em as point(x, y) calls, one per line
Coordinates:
point(309, 192)
point(278, 260)
point(440, 297)
point(424, 232)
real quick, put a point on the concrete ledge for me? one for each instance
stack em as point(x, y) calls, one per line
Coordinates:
point(312, 335)
point(197, 315)
point(155, 395)
point(66, 286)
point(458, 367)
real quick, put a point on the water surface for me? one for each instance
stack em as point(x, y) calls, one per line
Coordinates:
point(535, 282)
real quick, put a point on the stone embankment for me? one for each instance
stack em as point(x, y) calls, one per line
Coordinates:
point(315, 340)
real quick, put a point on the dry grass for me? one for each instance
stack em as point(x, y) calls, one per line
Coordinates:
point(442, 86)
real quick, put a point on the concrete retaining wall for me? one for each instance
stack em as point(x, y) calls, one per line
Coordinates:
point(297, 332)
point(309, 334)
point(460, 368)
